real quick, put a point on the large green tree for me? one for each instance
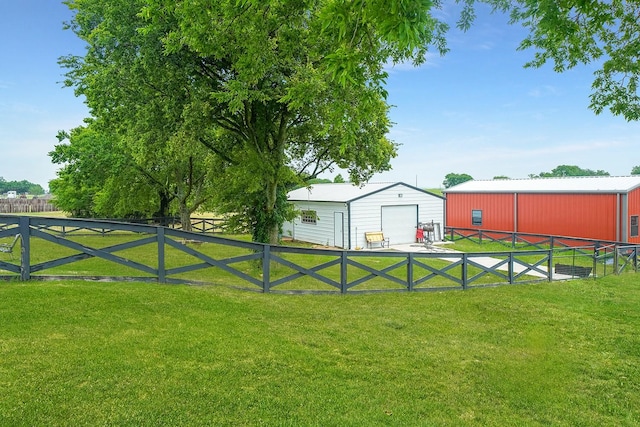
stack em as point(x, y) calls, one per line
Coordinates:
point(280, 91)
point(96, 177)
point(100, 176)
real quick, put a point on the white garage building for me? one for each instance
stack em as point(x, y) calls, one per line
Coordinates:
point(339, 214)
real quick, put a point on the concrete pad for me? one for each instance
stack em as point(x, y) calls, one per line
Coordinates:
point(440, 247)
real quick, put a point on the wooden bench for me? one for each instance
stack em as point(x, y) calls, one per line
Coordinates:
point(374, 237)
point(8, 247)
point(573, 270)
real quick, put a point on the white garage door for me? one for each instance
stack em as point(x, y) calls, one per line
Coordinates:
point(399, 223)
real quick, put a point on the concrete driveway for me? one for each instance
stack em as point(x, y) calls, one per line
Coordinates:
point(486, 261)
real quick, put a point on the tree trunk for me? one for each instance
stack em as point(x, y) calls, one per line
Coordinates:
point(163, 213)
point(272, 225)
point(185, 217)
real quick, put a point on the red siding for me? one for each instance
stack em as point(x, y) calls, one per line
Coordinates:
point(591, 216)
point(634, 209)
point(497, 210)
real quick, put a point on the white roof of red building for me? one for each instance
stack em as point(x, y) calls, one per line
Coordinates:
point(583, 184)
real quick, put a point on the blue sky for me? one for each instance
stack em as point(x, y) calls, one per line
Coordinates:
point(475, 110)
point(33, 104)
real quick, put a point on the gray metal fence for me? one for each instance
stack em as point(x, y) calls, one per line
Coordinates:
point(110, 250)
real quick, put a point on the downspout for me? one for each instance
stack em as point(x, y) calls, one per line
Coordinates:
point(349, 225)
point(617, 237)
point(515, 212)
point(444, 216)
point(623, 218)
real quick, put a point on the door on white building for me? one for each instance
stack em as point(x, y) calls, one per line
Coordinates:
point(338, 230)
point(399, 223)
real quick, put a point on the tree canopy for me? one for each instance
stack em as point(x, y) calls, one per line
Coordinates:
point(102, 176)
point(280, 92)
point(602, 33)
point(20, 187)
point(569, 170)
point(452, 179)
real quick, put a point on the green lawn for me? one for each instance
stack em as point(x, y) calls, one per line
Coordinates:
point(85, 353)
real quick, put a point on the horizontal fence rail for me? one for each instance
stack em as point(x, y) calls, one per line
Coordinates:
point(35, 248)
point(198, 225)
point(512, 238)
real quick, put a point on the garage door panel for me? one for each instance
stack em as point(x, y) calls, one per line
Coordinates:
point(399, 223)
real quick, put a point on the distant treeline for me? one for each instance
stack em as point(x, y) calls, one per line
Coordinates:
point(20, 187)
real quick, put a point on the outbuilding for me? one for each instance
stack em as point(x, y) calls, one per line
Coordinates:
point(599, 208)
point(339, 214)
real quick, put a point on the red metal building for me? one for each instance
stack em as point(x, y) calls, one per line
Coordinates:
point(599, 208)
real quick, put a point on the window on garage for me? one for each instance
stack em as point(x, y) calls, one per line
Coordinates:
point(634, 225)
point(476, 217)
point(309, 217)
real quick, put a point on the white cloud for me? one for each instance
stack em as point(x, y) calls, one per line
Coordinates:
point(542, 91)
point(432, 60)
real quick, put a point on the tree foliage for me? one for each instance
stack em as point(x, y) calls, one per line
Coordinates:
point(280, 91)
point(96, 178)
point(101, 177)
point(452, 179)
point(569, 170)
point(21, 187)
point(635, 170)
point(339, 179)
point(600, 32)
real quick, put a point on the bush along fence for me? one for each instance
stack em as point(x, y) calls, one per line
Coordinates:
point(108, 250)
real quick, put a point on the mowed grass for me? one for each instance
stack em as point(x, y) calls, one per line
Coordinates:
point(86, 353)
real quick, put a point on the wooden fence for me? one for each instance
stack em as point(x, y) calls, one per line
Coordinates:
point(513, 239)
point(604, 257)
point(125, 251)
point(103, 226)
point(19, 205)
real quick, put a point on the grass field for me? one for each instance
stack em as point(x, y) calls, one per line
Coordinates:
point(81, 353)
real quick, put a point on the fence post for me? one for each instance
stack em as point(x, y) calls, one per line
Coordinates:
point(161, 268)
point(513, 240)
point(410, 271)
point(343, 272)
point(464, 271)
point(550, 263)
point(25, 251)
point(511, 268)
point(266, 268)
point(615, 260)
point(480, 236)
